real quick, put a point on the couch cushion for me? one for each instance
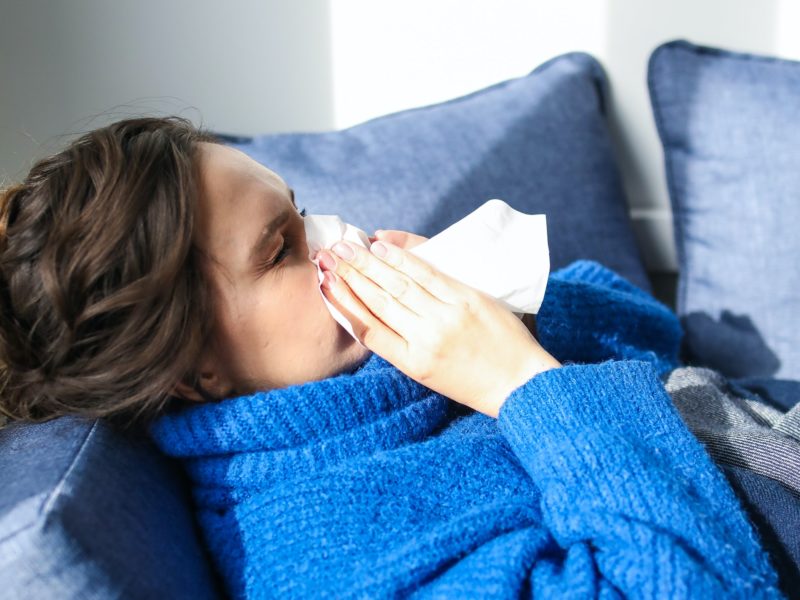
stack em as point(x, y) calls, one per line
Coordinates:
point(730, 126)
point(539, 142)
point(87, 512)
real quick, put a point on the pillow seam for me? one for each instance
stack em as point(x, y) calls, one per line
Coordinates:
point(669, 169)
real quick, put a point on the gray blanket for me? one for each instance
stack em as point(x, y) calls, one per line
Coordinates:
point(738, 431)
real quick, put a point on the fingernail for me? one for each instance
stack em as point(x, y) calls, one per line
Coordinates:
point(328, 280)
point(378, 249)
point(343, 250)
point(327, 261)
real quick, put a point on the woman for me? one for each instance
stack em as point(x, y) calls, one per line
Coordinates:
point(150, 274)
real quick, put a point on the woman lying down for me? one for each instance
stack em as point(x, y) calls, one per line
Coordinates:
point(152, 276)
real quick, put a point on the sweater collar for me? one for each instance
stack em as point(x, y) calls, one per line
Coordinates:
point(374, 394)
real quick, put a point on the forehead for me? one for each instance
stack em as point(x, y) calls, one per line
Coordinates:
point(237, 199)
point(225, 170)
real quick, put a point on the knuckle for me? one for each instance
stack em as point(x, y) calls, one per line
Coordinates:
point(343, 270)
point(470, 303)
point(380, 302)
point(421, 367)
point(401, 289)
point(359, 261)
point(425, 275)
point(463, 311)
point(396, 257)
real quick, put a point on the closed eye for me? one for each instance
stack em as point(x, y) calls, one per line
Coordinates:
point(285, 250)
point(267, 265)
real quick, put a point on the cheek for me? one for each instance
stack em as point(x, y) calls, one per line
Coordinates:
point(285, 312)
point(291, 306)
point(306, 304)
point(240, 329)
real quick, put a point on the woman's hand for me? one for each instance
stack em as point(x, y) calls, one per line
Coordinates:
point(407, 241)
point(449, 337)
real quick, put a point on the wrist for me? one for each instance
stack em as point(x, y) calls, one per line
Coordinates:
point(537, 361)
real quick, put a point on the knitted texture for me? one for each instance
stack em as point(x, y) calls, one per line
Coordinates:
point(370, 485)
point(591, 314)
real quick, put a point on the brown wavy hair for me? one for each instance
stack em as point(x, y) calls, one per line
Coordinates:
point(103, 304)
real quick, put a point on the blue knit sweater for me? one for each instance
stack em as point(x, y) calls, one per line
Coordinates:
point(371, 485)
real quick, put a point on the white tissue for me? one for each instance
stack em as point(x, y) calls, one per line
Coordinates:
point(322, 232)
point(495, 249)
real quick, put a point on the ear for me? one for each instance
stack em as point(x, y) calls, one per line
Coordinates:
point(210, 386)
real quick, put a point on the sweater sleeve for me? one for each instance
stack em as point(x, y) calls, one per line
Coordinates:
point(627, 492)
point(591, 314)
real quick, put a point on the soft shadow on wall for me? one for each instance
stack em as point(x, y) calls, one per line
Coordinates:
point(248, 66)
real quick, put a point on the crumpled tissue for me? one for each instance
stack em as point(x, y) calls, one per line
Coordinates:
point(495, 249)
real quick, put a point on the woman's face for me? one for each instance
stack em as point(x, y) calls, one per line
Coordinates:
point(272, 327)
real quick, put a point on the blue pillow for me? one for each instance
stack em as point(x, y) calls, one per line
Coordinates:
point(539, 142)
point(730, 126)
point(88, 512)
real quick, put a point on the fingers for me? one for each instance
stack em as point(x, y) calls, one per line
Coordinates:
point(379, 302)
point(376, 283)
point(436, 283)
point(369, 329)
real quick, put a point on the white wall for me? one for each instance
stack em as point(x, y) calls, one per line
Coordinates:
point(390, 56)
point(260, 66)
